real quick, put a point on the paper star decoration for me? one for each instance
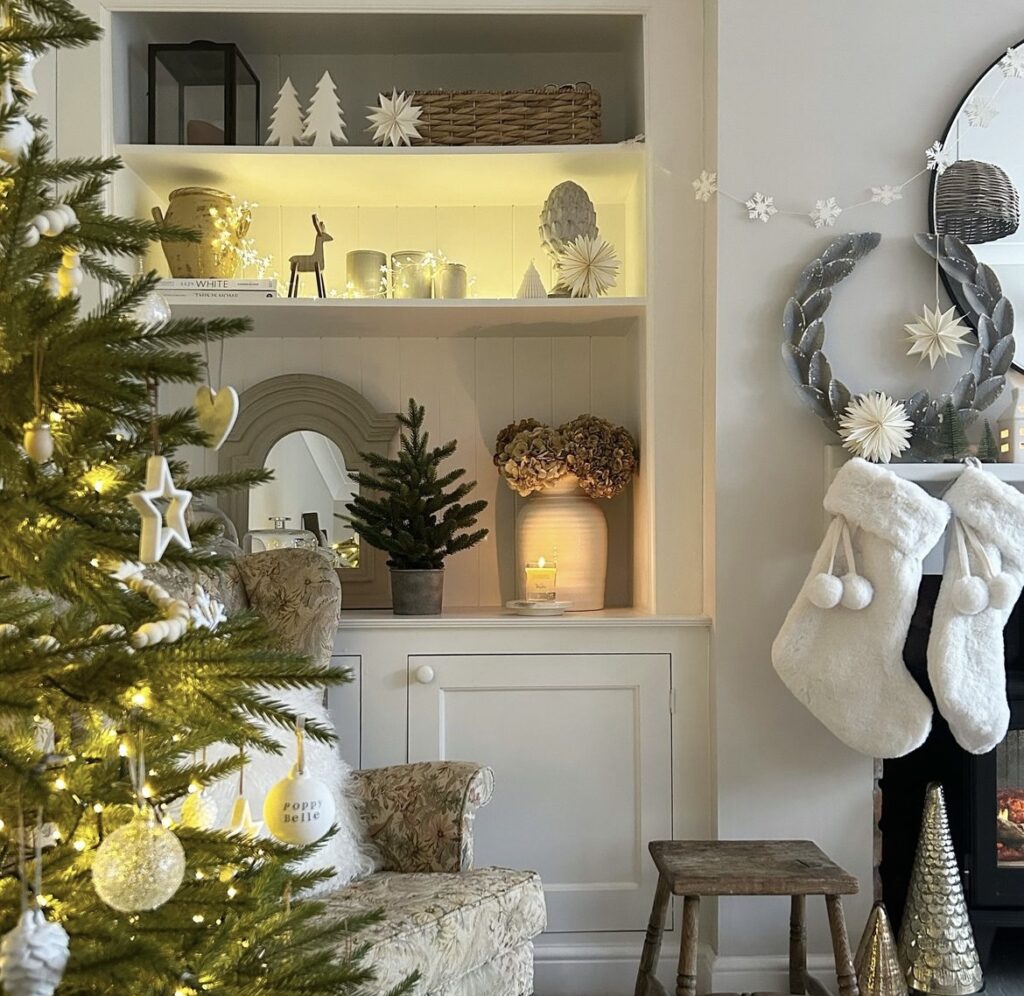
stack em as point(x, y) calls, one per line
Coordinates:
point(705, 185)
point(936, 335)
point(158, 529)
point(241, 819)
point(588, 266)
point(395, 120)
point(875, 427)
point(825, 213)
point(938, 158)
point(886, 194)
point(1012, 64)
point(980, 111)
point(761, 207)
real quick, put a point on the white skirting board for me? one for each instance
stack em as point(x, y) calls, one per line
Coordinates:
point(610, 969)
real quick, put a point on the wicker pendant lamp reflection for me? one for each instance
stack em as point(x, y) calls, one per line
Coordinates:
point(936, 946)
point(976, 202)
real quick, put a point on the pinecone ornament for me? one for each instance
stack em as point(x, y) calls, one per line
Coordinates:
point(567, 214)
point(936, 945)
point(33, 956)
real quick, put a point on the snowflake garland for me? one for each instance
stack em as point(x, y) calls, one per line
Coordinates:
point(938, 158)
point(936, 335)
point(761, 207)
point(1012, 64)
point(875, 427)
point(886, 194)
point(980, 111)
point(395, 120)
point(825, 213)
point(705, 185)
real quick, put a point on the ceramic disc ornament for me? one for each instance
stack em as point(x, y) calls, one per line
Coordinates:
point(33, 956)
point(139, 866)
point(38, 440)
point(299, 809)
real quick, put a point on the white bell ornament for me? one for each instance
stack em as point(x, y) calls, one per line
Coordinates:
point(199, 811)
point(38, 440)
point(299, 809)
point(33, 956)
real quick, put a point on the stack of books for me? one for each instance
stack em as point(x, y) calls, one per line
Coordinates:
point(210, 290)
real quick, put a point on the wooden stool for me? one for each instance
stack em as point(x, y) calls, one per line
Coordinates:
point(795, 868)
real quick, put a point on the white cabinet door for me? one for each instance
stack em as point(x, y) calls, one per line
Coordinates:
point(581, 747)
point(344, 703)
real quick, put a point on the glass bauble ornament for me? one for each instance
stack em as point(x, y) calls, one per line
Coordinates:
point(139, 866)
point(33, 956)
point(38, 440)
point(152, 311)
point(199, 811)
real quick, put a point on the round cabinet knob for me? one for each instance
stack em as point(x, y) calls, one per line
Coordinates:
point(424, 674)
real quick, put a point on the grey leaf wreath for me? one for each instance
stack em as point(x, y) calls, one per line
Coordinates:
point(981, 296)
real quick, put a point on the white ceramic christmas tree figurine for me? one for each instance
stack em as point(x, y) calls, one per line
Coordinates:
point(325, 121)
point(286, 123)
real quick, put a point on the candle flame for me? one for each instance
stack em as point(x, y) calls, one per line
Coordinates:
point(540, 562)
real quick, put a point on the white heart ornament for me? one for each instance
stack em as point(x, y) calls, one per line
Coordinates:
point(216, 412)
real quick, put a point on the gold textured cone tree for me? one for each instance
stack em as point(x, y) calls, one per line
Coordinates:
point(878, 969)
point(936, 941)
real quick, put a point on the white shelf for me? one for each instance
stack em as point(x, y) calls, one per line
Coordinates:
point(940, 473)
point(489, 618)
point(382, 177)
point(340, 318)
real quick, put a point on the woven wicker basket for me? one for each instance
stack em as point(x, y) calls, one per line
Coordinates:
point(555, 115)
point(976, 202)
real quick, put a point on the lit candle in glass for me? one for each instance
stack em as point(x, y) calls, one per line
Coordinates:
point(540, 581)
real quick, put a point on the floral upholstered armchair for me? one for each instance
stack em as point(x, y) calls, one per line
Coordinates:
point(469, 932)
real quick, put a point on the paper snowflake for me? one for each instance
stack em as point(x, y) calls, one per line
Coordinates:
point(204, 610)
point(761, 207)
point(705, 185)
point(886, 194)
point(936, 335)
point(395, 120)
point(825, 213)
point(875, 427)
point(980, 111)
point(1012, 64)
point(938, 158)
point(588, 266)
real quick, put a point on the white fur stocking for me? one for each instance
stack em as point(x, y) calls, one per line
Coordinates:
point(980, 585)
point(840, 650)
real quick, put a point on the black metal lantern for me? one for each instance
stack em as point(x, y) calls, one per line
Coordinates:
point(202, 93)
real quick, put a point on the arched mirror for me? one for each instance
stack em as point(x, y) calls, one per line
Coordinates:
point(310, 431)
point(977, 198)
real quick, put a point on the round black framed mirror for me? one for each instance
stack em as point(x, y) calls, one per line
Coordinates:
point(977, 198)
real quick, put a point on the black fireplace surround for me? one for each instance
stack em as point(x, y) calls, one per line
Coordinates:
point(984, 794)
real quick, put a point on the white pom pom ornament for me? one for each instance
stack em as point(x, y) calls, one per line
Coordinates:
point(825, 591)
point(1002, 591)
point(970, 596)
point(299, 809)
point(857, 592)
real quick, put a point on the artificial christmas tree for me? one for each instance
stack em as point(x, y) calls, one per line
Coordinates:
point(286, 120)
point(325, 121)
point(109, 686)
point(952, 437)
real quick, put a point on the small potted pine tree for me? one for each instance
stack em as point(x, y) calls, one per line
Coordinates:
point(415, 513)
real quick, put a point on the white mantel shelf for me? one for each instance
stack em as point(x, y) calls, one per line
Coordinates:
point(472, 317)
point(941, 473)
point(490, 618)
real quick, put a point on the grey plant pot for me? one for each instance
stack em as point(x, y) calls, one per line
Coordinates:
point(417, 593)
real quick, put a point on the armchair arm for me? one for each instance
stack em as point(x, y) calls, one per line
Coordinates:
point(420, 816)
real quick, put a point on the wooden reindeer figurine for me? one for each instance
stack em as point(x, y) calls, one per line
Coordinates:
point(313, 263)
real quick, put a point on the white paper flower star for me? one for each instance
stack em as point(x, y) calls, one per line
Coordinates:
point(761, 207)
point(705, 185)
point(159, 528)
point(1012, 64)
point(204, 610)
point(980, 111)
point(938, 158)
point(886, 194)
point(395, 120)
point(588, 266)
point(825, 213)
point(936, 335)
point(875, 427)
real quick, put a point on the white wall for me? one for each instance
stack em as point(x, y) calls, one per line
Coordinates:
point(815, 100)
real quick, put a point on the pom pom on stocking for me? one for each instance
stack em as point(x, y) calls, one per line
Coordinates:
point(857, 592)
point(825, 591)
point(1002, 591)
point(970, 596)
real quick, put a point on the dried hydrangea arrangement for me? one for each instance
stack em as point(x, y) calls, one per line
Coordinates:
point(531, 456)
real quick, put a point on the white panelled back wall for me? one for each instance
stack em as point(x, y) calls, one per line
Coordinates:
point(471, 388)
